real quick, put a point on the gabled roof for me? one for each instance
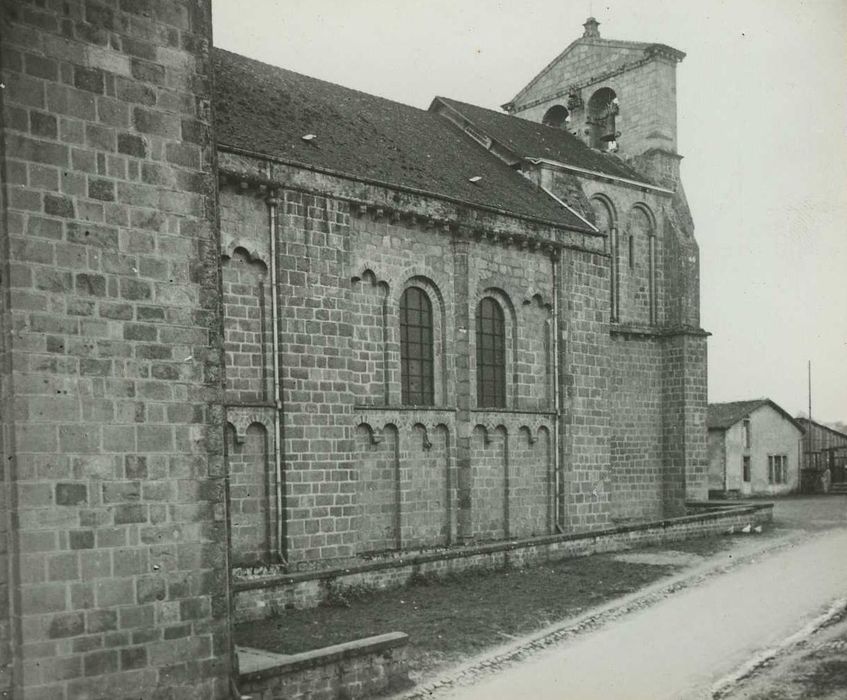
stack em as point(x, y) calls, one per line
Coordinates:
point(529, 139)
point(267, 110)
point(648, 49)
point(724, 415)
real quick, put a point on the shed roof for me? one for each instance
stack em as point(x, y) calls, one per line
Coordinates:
point(804, 424)
point(724, 415)
point(267, 110)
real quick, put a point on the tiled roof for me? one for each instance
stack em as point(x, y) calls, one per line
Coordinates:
point(267, 110)
point(534, 140)
point(724, 415)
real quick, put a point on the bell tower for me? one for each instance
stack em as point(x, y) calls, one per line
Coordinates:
point(617, 96)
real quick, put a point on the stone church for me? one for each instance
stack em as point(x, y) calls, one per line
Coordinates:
point(257, 325)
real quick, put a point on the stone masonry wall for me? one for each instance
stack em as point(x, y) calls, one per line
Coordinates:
point(684, 405)
point(584, 290)
point(315, 329)
point(364, 474)
point(7, 539)
point(120, 578)
point(636, 416)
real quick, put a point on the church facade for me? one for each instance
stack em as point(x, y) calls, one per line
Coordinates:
point(253, 319)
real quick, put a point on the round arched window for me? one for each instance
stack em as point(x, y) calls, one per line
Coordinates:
point(416, 361)
point(490, 355)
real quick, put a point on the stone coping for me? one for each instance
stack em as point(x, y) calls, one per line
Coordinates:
point(329, 655)
point(715, 511)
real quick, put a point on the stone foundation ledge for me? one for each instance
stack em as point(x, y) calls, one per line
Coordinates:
point(270, 595)
point(362, 668)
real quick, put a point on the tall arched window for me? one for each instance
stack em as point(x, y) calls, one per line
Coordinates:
point(416, 365)
point(490, 355)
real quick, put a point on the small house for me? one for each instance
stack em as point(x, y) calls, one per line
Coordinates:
point(754, 449)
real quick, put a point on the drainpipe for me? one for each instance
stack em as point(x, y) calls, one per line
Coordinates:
point(654, 314)
point(613, 245)
point(273, 211)
point(558, 510)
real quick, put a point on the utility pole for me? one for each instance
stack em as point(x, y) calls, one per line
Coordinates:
point(809, 432)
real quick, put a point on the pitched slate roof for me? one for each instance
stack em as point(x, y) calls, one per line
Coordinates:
point(267, 110)
point(724, 415)
point(533, 140)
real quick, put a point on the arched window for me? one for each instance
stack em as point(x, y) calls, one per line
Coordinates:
point(556, 116)
point(416, 365)
point(490, 355)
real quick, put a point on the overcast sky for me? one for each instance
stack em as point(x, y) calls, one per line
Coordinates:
point(762, 126)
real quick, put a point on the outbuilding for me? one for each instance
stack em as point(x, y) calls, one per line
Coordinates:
point(754, 449)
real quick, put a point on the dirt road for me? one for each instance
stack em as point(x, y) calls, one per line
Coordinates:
point(683, 645)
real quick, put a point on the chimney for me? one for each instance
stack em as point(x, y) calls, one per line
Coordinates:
point(591, 29)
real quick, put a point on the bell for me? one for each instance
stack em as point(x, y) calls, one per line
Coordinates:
point(608, 133)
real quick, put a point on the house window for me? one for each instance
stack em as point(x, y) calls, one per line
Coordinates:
point(745, 469)
point(490, 355)
point(777, 469)
point(416, 359)
point(745, 433)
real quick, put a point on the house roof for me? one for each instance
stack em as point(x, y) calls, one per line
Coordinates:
point(533, 140)
point(724, 415)
point(267, 110)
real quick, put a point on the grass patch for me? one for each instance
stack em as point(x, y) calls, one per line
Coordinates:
point(459, 615)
